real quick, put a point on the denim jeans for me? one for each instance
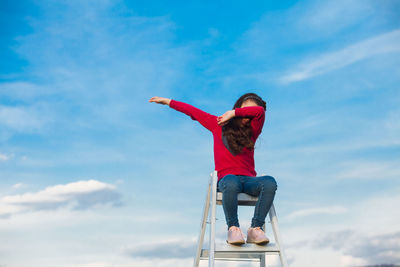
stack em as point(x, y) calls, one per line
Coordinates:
point(263, 187)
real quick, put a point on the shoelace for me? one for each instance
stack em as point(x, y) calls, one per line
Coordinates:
point(237, 229)
point(258, 229)
point(234, 229)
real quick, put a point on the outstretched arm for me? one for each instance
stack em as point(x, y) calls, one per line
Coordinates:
point(160, 100)
point(207, 120)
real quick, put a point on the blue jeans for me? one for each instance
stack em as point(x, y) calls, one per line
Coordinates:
point(263, 187)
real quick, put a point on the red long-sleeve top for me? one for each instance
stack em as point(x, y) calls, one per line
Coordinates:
point(225, 161)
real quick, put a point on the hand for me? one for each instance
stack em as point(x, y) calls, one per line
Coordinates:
point(160, 100)
point(224, 119)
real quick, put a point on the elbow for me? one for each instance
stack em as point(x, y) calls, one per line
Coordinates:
point(260, 112)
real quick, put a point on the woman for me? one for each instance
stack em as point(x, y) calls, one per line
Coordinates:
point(235, 133)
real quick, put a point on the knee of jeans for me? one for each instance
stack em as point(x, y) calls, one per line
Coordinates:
point(269, 183)
point(230, 186)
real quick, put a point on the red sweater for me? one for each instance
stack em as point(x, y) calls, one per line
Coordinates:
point(225, 161)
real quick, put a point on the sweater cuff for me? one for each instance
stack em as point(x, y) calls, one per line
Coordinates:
point(248, 111)
point(238, 112)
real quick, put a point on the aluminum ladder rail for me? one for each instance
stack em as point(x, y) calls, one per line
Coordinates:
point(227, 252)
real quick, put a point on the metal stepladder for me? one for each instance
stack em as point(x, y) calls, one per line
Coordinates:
point(225, 251)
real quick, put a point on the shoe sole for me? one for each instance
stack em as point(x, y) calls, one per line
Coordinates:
point(235, 243)
point(262, 242)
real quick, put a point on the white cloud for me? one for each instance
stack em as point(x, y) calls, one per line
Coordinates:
point(80, 195)
point(136, 262)
point(25, 91)
point(368, 233)
point(18, 185)
point(4, 157)
point(331, 16)
point(347, 260)
point(24, 118)
point(166, 248)
point(91, 71)
point(384, 43)
point(330, 210)
point(92, 264)
point(371, 248)
point(369, 170)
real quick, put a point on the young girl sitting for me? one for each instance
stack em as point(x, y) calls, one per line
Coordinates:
point(235, 134)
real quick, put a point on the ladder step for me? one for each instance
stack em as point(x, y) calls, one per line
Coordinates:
point(245, 252)
point(251, 251)
point(243, 199)
point(233, 256)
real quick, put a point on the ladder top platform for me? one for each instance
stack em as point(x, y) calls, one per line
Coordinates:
point(243, 199)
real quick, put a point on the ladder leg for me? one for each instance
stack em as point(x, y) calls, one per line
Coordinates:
point(277, 235)
point(203, 225)
point(211, 258)
point(262, 261)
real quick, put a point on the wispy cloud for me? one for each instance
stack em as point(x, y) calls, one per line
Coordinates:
point(23, 118)
point(373, 248)
point(18, 185)
point(367, 234)
point(88, 70)
point(167, 248)
point(77, 195)
point(142, 262)
point(323, 16)
point(94, 70)
point(332, 210)
point(4, 157)
point(24, 91)
point(384, 43)
point(369, 170)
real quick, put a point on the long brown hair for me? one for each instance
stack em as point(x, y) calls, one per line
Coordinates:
point(237, 135)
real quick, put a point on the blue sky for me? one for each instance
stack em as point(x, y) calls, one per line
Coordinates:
point(92, 174)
